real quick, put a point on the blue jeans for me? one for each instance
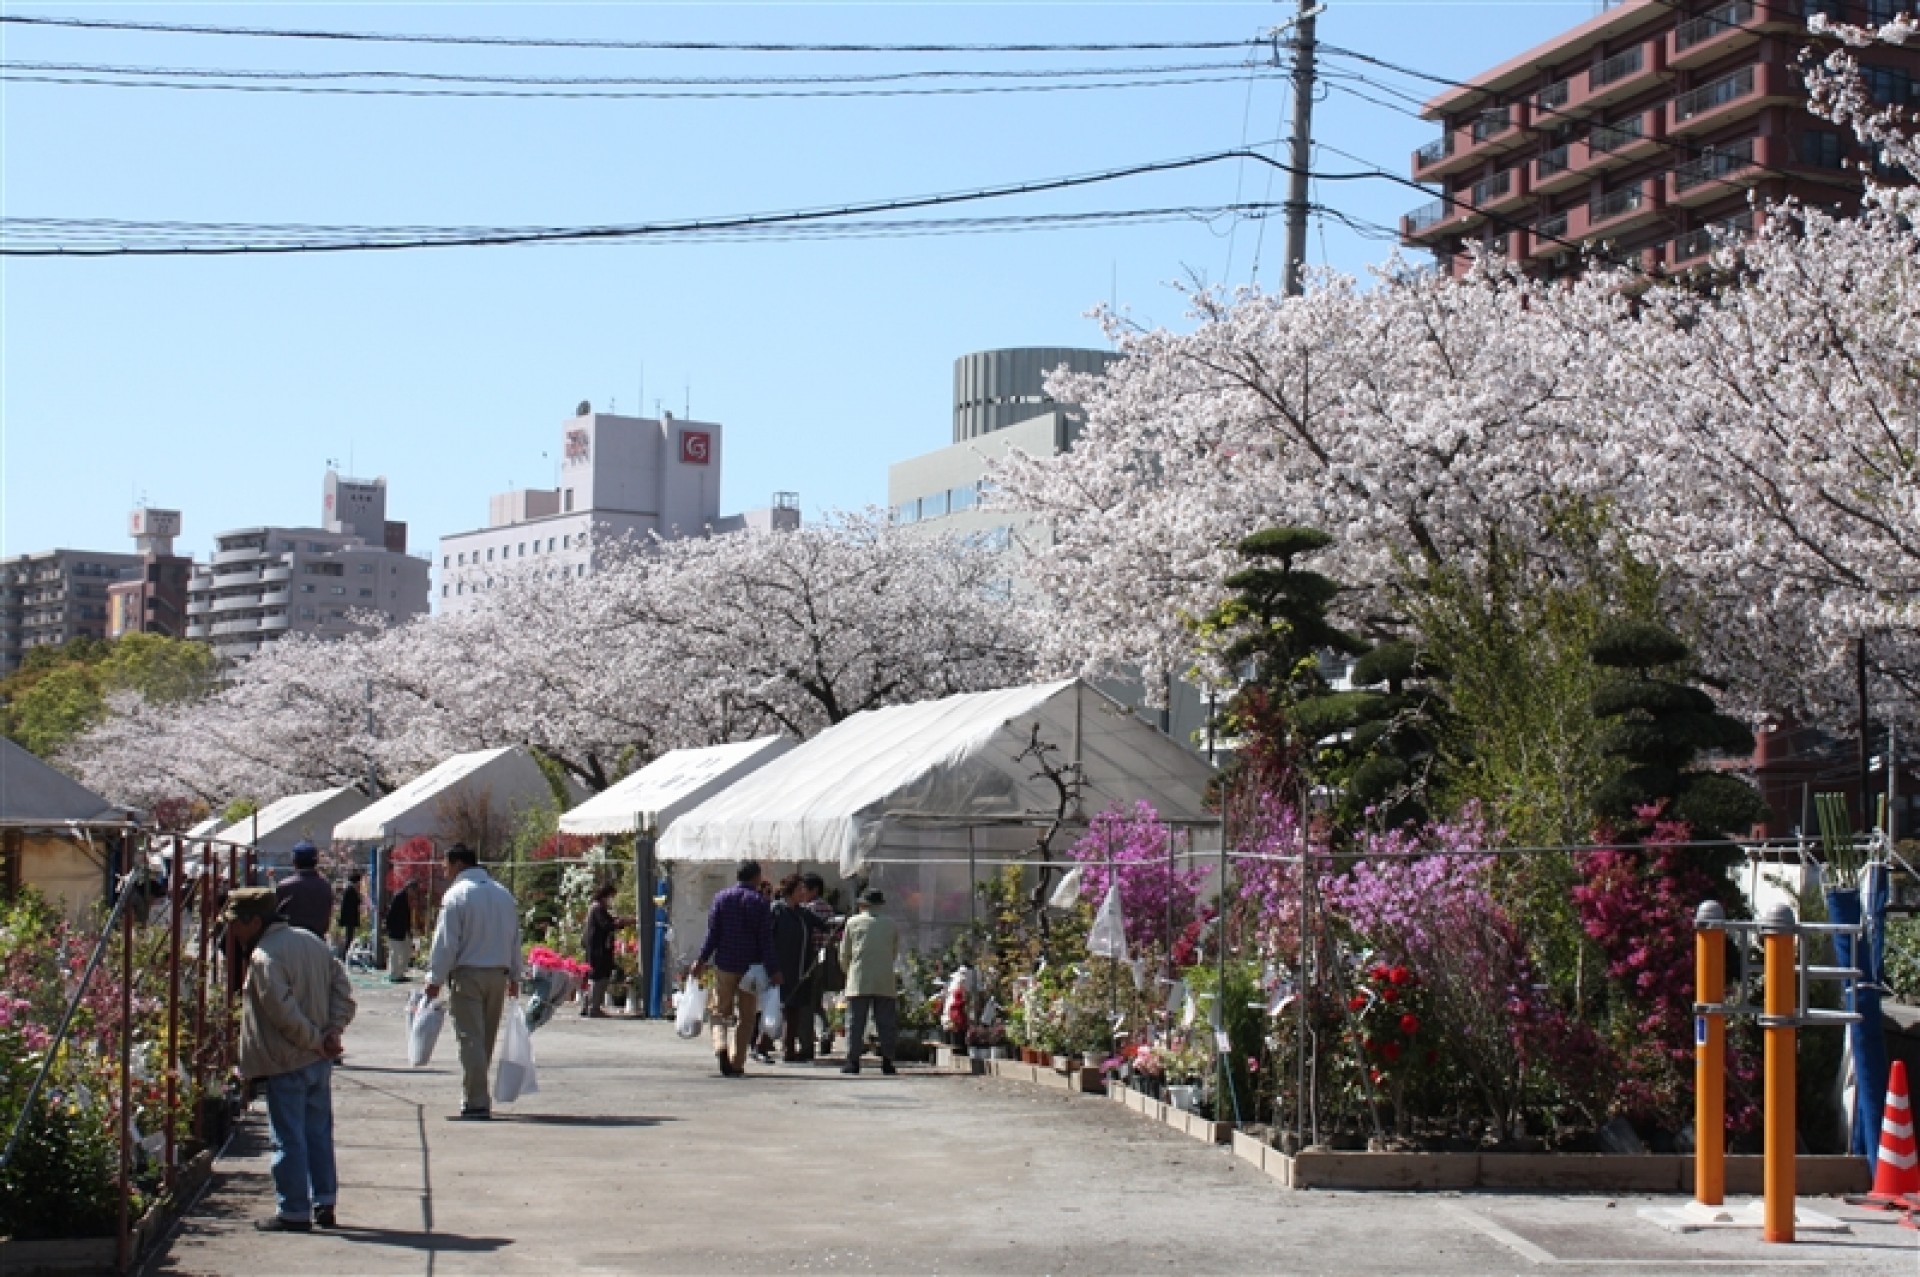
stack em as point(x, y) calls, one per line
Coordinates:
point(300, 1112)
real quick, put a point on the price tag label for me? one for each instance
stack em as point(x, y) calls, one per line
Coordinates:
point(1699, 1030)
point(1220, 1040)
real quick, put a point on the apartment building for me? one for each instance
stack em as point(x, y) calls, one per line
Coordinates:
point(620, 479)
point(263, 583)
point(1646, 131)
point(154, 599)
point(54, 597)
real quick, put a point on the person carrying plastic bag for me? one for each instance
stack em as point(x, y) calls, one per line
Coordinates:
point(425, 1018)
point(690, 1009)
point(739, 945)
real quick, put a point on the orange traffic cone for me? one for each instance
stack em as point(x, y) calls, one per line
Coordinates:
point(1896, 1172)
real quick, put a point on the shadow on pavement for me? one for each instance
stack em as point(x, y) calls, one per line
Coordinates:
point(576, 1119)
point(431, 1242)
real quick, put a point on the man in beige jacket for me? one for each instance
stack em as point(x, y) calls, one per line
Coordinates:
point(868, 950)
point(297, 1003)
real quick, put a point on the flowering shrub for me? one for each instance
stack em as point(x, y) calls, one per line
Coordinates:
point(1639, 906)
point(1137, 851)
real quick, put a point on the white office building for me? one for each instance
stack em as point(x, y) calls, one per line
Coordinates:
point(621, 478)
point(263, 583)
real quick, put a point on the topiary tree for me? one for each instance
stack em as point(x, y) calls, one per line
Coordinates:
point(1659, 725)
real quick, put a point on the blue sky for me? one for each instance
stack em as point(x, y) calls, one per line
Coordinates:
point(222, 387)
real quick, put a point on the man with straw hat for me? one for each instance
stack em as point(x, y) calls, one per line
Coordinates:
point(296, 1004)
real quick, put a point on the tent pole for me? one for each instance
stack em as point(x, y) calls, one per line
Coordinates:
point(643, 910)
point(973, 893)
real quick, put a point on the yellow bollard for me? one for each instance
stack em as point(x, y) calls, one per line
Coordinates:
point(1780, 937)
point(1710, 1059)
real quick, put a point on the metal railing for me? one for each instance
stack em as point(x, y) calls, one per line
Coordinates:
point(1427, 216)
point(1553, 162)
point(1492, 188)
point(1618, 67)
point(1551, 228)
point(1728, 88)
point(1492, 122)
point(1727, 17)
point(1433, 152)
point(1614, 204)
point(1611, 137)
point(1555, 95)
point(1714, 165)
point(1703, 240)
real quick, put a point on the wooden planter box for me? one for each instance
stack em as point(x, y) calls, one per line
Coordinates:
point(1558, 1172)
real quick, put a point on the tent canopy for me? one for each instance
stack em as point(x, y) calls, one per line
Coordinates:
point(506, 781)
point(275, 828)
point(33, 793)
point(674, 783)
point(950, 760)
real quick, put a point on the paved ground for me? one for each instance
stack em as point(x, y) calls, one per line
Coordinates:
point(637, 1158)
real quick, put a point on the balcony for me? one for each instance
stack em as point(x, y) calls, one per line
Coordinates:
point(199, 607)
point(1626, 73)
point(1549, 237)
point(1731, 98)
point(1493, 131)
point(239, 553)
point(1739, 24)
point(1715, 172)
point(242, 625)
point(1696, 246)
point(1431, 223)
point(197, 630)
point(235, 602)
point(1432, 154)
point(1504, 190)
point(276, 574)
point(1619, 211)
point(1553, 170)
point(1554, 98)
point(273, 598)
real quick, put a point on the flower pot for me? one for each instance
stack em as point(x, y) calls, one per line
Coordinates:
point(1062, 1062)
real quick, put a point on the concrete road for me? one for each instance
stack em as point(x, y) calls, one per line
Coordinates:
point(636, 1157)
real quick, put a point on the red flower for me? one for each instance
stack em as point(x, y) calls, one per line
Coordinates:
point(1409, 1024)
point(1381, 972)
point(1399, 975)
point(1389, 994)
point(1358, 1002)
point(1391, 1052)
point(1369, 1045)
point(1375, 1075)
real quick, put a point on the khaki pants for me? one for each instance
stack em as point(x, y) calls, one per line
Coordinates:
point(735, 1015)
point(399, 954)
point(477, 997)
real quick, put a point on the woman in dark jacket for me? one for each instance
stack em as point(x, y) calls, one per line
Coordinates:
point(400, 932)
point(602, 925)
point(796, 947)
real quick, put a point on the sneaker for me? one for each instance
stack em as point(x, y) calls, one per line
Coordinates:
point(886, 1067)
point(850, 1067)
point(475, 1115)
point(760, 1057)
point(281, 1224)
point(726, 1064)
point(323, 1217)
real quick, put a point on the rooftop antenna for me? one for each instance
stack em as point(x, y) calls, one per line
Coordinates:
point(689, 406)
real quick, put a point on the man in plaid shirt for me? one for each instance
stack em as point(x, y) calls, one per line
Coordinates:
point(739, 946)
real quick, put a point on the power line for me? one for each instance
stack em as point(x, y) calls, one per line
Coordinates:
point(661, 46)
point(368, 239)
point(1076, 86)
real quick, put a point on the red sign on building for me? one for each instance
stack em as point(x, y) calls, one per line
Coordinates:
point(696, 447)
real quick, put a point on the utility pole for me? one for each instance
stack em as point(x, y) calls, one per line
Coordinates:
point(1302, 152)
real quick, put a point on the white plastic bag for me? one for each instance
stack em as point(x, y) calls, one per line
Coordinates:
point(425, 1016)
point(515, 1076)
point(690, 1009)
point(1108, 937)
point(771, 1021)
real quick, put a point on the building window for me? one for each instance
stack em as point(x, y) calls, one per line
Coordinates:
point(1889, 86)
point(523, 550)
point(934, 506)
point(445, 590)
point(549, 545)
point(960, 499)
point(568, 501)
point(581, 570)
point(460, 589)
point(489, 554)
point(308, 588)
point(1822, 148)
point(336, 589)
point(366, 569)
point(566, 543)
point(907, 512)
point(366, 594)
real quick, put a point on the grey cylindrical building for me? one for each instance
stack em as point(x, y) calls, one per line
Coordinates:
point(993, 389)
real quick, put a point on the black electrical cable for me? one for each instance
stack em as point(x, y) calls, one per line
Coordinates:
point(666, 46)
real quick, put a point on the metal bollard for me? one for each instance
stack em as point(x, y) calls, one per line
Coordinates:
point(1710, 1060)
point(1780, 939)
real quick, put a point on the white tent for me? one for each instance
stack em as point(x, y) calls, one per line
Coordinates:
point(676, 782)
point(208, 827)
point(838, 798)
point(496, 785)
point(311, 817)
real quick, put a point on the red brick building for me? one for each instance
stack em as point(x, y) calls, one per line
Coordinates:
point(1644, 129)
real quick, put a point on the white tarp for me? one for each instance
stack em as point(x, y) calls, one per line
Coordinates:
point(507, 781)
point(830, 800)
point(311, 817)
point(676, 782)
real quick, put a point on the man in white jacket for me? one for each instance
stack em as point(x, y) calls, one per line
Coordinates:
point(476, 955)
